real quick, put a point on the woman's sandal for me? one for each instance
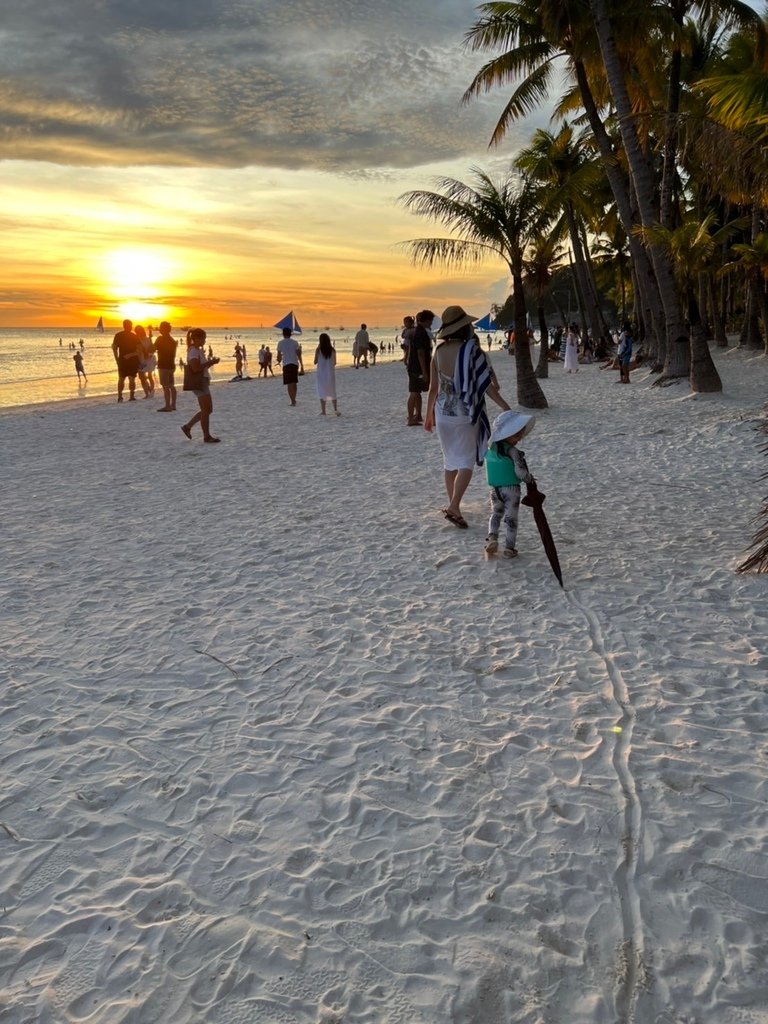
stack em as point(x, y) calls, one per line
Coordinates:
point(459, 520)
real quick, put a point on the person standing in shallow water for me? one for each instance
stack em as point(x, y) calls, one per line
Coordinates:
point(78, 360)
point(197, 379)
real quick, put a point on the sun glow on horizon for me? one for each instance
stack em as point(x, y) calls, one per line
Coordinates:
point(134, 281)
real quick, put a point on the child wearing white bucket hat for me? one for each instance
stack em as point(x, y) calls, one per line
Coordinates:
point(505, 470)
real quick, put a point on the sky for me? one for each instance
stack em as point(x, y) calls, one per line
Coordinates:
point(220, 162)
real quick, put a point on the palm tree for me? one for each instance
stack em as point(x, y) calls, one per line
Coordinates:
point(720, 14)
point(703, 374)
point(534, 36)
point(568, 175)
point(737, 91)
point(691, 247)
point(541, 262)
point(488, 218)
point(753, 258)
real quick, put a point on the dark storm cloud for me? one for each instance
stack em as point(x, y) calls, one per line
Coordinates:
point(339, 85)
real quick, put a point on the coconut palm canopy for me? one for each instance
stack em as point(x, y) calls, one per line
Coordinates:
point(489, 217)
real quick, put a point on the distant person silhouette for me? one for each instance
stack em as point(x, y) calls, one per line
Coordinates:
point(78, 360)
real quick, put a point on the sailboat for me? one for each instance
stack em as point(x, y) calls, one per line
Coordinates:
point(290, 321)
point(487, 323)
point(100, 325)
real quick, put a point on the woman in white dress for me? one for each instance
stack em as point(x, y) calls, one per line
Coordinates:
point(325, 378)
point(572, 351)
point(460, 378)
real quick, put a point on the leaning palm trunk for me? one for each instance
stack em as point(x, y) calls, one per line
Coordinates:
point(678, 363)
point(529, 393)
point(645, 279)
point(577, 284)
point(589, 266)
point(591, 320)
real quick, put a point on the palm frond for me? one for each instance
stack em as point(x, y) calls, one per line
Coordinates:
point(447, 252)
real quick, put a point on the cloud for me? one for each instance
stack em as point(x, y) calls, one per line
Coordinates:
point(351, 86)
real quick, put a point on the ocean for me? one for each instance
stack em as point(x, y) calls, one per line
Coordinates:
point(36, 365)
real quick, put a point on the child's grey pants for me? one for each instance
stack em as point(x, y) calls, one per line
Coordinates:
point(505, 503)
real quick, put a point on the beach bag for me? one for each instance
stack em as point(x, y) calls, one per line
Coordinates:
point(194, 380)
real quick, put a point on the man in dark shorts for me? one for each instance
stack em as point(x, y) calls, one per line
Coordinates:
point(289, 357)
point(165, 349)
point(125, 348)
point(418, 356)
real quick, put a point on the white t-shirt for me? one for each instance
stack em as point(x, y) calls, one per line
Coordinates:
point(194, 355)
point(288, 350)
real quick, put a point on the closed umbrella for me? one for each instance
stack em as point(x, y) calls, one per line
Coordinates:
point(535, 499)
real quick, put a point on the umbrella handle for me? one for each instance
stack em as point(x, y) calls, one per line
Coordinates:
point(533, 495)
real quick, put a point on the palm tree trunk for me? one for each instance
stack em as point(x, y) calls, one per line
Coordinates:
point(670, 139)
point(542, 367)
point(753, 338)
point(718, 315)
point(590, 269)
point(577, 288)
point(645, 279)
point(762, 305)
point(529, 393)
point(592, 320)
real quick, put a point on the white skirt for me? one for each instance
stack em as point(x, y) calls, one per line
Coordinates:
point(458, 439)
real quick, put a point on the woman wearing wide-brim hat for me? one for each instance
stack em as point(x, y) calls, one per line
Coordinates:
point(460, 378)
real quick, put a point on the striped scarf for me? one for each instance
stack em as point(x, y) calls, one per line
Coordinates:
point(471, 379)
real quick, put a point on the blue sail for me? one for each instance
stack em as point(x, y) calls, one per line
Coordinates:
point(487, 324)
point(289, 321)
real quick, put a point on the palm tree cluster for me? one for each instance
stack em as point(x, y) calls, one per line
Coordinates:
point(655, 175)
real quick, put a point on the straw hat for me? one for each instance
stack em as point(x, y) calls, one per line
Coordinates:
point(453, 318)
point(509, 423)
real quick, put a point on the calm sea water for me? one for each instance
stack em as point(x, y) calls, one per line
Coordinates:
point(35, 368)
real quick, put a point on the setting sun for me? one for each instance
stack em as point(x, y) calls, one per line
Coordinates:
point(135, 280)
point(135, 274)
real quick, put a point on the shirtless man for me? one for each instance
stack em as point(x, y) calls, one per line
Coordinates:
point(125, 348)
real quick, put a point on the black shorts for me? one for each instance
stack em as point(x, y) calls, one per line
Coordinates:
point(291, 374)
point(416, 384)
point(127, 366)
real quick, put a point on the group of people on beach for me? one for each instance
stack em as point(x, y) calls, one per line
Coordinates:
point(448, 366)
point(136, 356)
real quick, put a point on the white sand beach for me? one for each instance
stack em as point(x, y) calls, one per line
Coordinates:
point(281, 747)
